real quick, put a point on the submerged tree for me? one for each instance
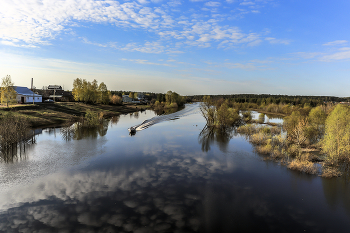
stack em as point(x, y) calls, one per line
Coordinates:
point(8, 94)
point(219, 114)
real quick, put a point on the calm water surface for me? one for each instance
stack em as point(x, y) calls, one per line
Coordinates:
point(170, 177)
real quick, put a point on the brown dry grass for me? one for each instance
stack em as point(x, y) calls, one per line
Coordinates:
point(329, 172)
point(302, 166)
point(47, 114)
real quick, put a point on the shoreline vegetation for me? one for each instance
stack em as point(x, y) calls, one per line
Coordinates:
point(313, 140)
point(167, 103)
point(59, 113)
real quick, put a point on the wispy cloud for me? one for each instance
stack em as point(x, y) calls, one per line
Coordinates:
point(248, 66)
point(146, 62)
point(245, 3)
point(337, 42)
point(34, 23)
point(307, 55)
point(212, 4)
point(277, 41)
point(342, 54)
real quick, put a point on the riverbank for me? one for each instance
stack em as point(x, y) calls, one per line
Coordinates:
point(48, 114)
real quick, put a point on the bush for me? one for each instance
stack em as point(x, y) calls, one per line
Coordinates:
point(13, 129)
point(92, 119)
point(114, 99)
point(247, 116)
point(247, 129)
point(259, 138)
point(261, 118)
point(303, 166)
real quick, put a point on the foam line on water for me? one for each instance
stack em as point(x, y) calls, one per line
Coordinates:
point(188, 110)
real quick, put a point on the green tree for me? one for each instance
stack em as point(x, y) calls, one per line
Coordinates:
point(135, 95)
point(8, 94)
point(208, 110)
point(168, 96)
point(131, 94)
point(104, 94)
point(336, 142)
point(77, 89)
point(296, 126)
point(317, 119)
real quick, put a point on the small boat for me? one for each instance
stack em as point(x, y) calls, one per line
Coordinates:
point(132, 130)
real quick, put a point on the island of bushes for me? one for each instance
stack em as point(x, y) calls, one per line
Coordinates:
point(313, 140)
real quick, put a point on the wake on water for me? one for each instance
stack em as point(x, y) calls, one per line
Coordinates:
point(188, 110)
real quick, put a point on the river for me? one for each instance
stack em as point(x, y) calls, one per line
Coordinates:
point(168, 177)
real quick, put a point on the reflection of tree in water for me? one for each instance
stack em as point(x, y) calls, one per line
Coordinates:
point(16, 151)
point(78, 131)
point(336, 192)
point(115, 120)
point(165, 111)
point(211, 135)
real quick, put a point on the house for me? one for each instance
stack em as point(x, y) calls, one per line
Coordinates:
point(61, 95)
point(24, 95)
point(127, 99)
point(54, 87)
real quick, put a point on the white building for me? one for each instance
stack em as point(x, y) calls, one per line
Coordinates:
point(24, 95)
point(127, 99)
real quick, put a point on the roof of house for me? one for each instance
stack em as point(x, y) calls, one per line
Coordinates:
point(24, 91)
point(54, 87)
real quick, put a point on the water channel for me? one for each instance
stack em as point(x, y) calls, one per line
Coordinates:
point(168, 177)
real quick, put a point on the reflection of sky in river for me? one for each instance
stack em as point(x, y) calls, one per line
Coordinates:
point(268, 118)
point(160, 180)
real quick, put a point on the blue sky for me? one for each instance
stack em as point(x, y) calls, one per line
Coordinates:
point(289, 47)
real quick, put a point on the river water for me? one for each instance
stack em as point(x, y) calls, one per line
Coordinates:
point(168, 177)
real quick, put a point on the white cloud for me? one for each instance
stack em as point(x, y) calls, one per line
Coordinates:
point(247, 3)
point(308, 55)
point(344, 53)
point(337, 42)
point(142, 1)
point(247, 66)
point(145, 62)
point(33, 23)
point(277, 41)
point(212, 4)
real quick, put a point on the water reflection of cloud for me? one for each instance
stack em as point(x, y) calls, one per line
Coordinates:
point(158, 187)
point(154, 194)
point(146, 190)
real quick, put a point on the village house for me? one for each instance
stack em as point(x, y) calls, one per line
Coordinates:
point(24, 95)
point(127, 99)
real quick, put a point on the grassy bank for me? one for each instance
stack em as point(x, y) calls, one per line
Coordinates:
point(47, 114)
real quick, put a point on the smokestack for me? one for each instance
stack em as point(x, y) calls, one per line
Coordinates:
point(33, 91)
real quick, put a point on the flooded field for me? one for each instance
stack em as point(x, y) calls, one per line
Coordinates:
point(168, 177)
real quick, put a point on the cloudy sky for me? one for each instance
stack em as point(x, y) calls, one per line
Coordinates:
point(290, 47)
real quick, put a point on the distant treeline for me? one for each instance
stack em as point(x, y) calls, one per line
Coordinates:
point(151, 96)
point(266, 99)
